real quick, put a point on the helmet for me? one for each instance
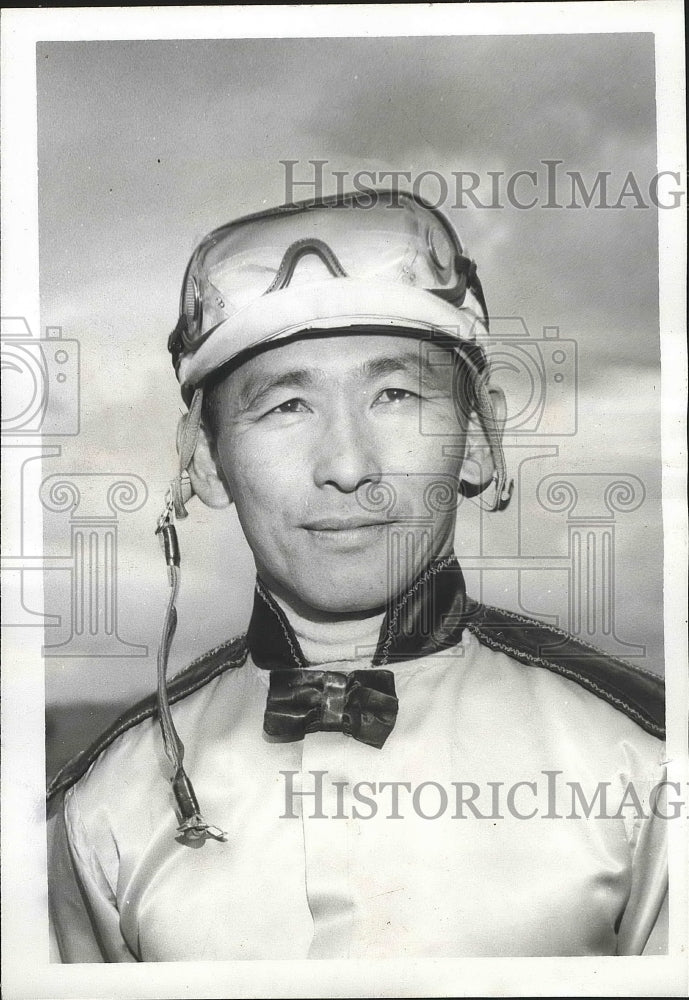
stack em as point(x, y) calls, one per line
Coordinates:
point(374, 261)
point(384, 261)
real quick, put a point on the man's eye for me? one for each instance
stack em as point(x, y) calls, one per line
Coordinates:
point(396, 395)
point(291, 406)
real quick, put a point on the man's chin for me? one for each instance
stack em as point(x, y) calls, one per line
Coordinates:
point(347, 597)
point(343, 586)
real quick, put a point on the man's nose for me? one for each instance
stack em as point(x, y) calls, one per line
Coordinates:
point(348, 453)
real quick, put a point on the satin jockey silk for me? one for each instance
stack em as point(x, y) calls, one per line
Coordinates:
point(512, 810)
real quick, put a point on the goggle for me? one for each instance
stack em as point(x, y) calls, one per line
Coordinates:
point(382, 238)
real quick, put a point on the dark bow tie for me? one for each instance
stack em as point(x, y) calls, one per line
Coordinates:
point(361, 704)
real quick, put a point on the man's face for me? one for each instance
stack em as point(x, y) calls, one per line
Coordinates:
point(342, 455)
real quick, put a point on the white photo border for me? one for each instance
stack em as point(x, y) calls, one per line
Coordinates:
point(27, 972)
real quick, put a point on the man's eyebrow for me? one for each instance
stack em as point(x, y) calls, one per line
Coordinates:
point(414, 363)
point(257, 387)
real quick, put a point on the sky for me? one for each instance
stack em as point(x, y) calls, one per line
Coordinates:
point(146, 146)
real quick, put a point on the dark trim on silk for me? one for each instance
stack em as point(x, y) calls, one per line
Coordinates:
point(426, 618)
point(638, 693)
point(429, 617)
point(230, 654)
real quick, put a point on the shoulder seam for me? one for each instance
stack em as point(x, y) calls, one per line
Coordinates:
point(206, 655)
point(571, 638)
point(581, 679)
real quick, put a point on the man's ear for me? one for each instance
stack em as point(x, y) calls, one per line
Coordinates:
point(478, 468)
point(207, 481)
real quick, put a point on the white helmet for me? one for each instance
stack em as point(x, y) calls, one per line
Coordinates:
point(384, 261)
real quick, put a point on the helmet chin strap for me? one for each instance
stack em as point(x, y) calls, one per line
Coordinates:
point(478, 392)
point(485, 412)
point(193, 826)
point(180, 488)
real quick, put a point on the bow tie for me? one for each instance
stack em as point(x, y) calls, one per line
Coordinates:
point(361, 704)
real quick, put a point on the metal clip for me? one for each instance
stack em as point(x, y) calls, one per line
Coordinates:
point(166, 515)
point(167, 535)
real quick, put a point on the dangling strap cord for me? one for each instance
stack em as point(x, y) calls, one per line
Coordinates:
point(193, 824)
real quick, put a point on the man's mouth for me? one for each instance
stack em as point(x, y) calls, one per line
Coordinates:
point(352, 534)
point(352, 523)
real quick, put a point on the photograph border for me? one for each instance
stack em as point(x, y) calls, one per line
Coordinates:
point(25, 932)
